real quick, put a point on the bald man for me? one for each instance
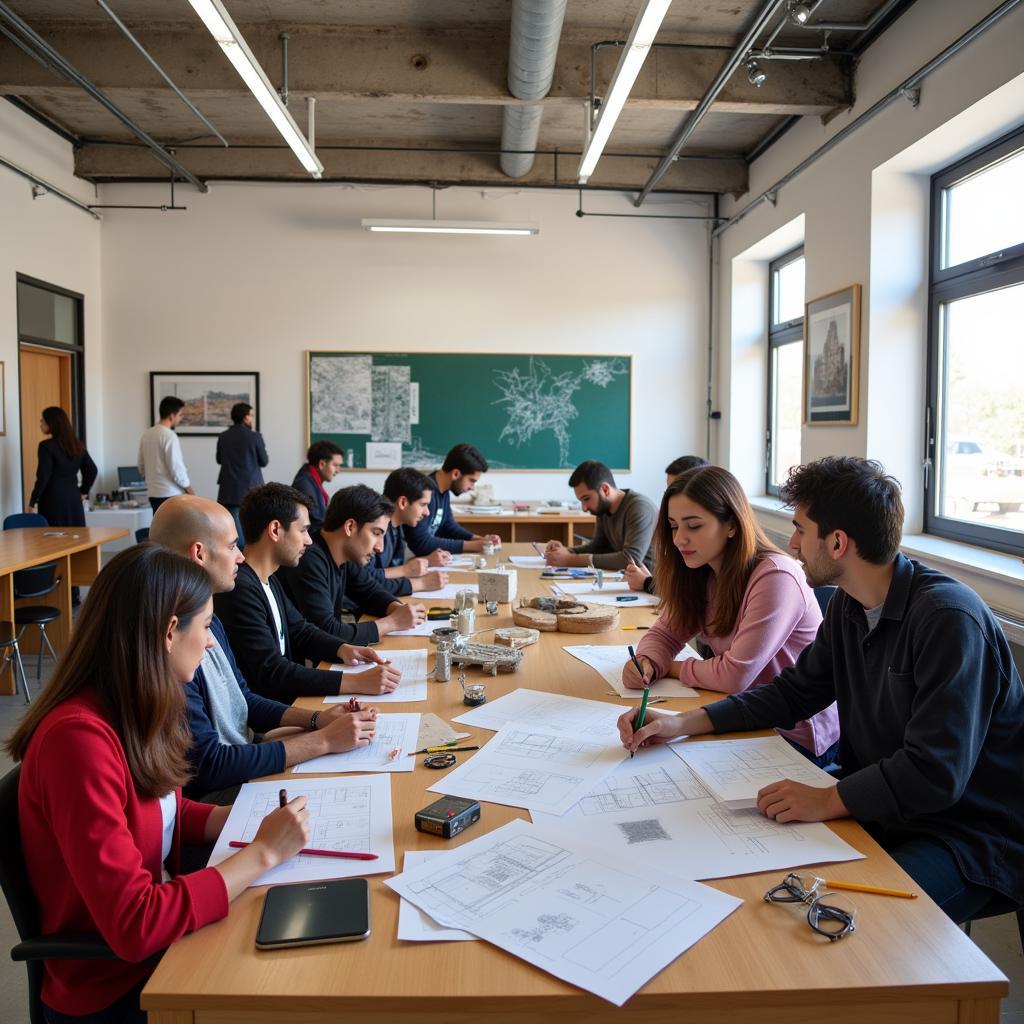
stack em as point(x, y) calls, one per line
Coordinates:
point(223, 712)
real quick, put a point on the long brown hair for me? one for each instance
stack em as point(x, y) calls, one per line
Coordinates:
point(62, 432)
point(684, 592)
point(117, 649)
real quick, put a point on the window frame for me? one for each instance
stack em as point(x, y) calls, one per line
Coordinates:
point(985, 273)
point(786, 333)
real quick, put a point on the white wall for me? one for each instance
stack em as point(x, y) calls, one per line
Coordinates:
point(49, 239)
point(253, 275)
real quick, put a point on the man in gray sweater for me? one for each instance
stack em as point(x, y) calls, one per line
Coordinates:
point(625, 523)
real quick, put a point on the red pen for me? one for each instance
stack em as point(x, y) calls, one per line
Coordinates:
point(354, 705)
point(282, 797)
point(349, 854)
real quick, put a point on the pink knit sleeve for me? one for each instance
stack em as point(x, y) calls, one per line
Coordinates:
point(661, 644)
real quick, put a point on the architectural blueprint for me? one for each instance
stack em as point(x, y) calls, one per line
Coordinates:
point(652, 811)
point(413, 924)
point(395, 738)
point(591, 594)
point(592, 718)
point(329, 380)
point(735, 770)
point(525, 765)
point(609, 660)
point(412, 686)
point(344, 814)
point(600, 924)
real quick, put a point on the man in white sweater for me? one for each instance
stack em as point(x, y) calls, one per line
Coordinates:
point(160, 460)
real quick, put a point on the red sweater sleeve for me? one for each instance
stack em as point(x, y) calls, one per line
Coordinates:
point(85, 794)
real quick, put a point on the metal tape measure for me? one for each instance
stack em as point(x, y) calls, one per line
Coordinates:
point(439, 761)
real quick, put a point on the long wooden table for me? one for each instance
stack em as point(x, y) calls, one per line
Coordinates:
point(526, 527)
point(906, 963)
point(75, 549)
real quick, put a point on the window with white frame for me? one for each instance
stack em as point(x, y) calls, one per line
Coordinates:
point(974, 461)
point(785, 366)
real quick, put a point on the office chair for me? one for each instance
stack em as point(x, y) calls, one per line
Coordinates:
point(20, 520)
point(999, 906)
point(11, 652)
point(37, 581)
point(824, 595)
point(141, 534)
point(34, 948)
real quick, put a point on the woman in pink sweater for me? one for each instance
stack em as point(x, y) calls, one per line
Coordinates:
point(103, 756)
point(721, 580)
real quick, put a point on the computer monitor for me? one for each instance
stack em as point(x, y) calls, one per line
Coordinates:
point(130, 479)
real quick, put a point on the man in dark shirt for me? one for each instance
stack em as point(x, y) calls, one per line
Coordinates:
point(931, 706)
point(462, 468)
point(241, 455)
point(271, 640)
point(323, 464)
point(332, 574)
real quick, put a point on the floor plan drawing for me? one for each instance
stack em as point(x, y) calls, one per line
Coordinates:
point(412, 686)
point(387, 752)
point(592, 718)
point(628, 788)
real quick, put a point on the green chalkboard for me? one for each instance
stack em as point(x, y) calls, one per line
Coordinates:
point(524, 412)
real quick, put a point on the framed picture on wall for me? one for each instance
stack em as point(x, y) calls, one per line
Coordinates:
point(3, 402)
point(832, 358)
point(208, 397)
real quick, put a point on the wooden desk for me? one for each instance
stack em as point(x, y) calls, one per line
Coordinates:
point(527, 527)
point(77, 554)
point(906, 963)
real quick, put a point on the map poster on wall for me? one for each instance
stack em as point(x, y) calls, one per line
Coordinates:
point(524, 412)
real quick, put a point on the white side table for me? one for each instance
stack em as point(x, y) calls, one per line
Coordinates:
point(130, 519)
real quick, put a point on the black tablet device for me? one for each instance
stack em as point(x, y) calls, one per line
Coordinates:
point(311, 913)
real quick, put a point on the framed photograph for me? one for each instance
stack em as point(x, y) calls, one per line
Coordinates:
point(3, 402)
point(832, 358)
point(208, 398)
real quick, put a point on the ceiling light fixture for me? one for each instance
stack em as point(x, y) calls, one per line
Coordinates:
point(800, 13)
point(645, 28)
point(755, 75)
point(449, 227)
point(220, 25)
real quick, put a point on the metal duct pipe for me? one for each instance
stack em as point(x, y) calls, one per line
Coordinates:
point(536, 29)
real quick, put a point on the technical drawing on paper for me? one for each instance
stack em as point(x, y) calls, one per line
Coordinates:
point(395, 732)
point(341, 393)
point(514, 782)
point(745, 832)
point(543, 927)
point(339, 818)
point(550, 748)
point(390, 419)
point(647, 830)
point(558, 713)
point(623, 792)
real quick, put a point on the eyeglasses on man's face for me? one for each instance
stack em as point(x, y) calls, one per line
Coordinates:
point(828, 914)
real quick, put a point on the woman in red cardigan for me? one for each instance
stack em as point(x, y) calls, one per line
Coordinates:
point(103, 752)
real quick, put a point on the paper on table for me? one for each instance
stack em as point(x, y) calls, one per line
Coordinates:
point(413, 924)
point(434, 731)
point(609, 659)
point(528, 561)
point(734, 770)
point(458, 562)
point(555, 712)
point(423, 629)
point(394, 732)
point(446, 593)
point(412, 685)
point(525, 765)
point(344, 814)
point(586, 591)
point(558, 904)
point(652, 807)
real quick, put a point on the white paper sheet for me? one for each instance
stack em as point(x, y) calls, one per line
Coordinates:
point(457, 562)
point(525, 765)
point(394, 732)
point(412, 685)
point(550, 900)
point(586, 591)
point(344, 814)
point(652, 810)
point(528, 561)
point(446, 593)
point(423, 629)
point(554, 712)
point(734, 770)
point(609, 659)
point(413, 924)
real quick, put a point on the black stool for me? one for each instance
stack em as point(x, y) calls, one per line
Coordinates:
point(10, 652)
point(37, 581)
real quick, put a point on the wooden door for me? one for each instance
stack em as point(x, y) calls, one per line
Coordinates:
point(44, 379)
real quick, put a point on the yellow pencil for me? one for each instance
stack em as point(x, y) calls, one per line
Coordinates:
point(634, 627)
point(877, 890)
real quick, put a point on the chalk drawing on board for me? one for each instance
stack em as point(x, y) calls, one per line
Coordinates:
point(536, 401)
point(341, 392)
point(390, 421)
point(603, 371)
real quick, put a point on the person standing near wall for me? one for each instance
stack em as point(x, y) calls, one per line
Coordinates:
point(160, 459)
point(241, 455)
point(57, 494)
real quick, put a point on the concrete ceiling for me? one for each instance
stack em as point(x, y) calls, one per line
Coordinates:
point(413, 90)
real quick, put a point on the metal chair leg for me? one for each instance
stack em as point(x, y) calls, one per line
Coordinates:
point(43, 639)
point(14, 655)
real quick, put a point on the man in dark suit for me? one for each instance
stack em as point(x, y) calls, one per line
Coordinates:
point(241, 454)
point(323, 464)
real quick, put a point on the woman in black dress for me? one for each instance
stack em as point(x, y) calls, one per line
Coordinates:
point(57, 494)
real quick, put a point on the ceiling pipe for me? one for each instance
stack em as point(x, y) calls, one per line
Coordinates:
point(42, 183)
point(536, 29)
point(767, 12)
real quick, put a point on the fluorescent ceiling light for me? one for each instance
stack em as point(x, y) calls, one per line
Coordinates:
point(450, 227)
point(645, 28)
point(216, 18)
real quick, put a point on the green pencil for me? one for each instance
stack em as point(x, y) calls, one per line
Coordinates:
point(638, 724)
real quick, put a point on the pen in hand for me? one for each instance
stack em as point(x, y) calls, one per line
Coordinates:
point(282, 798)
point(638, 722)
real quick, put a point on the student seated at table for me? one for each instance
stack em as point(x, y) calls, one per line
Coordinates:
point(625, 522)
point(931, 706)
point(639, 577)
point(333, 573)
point(724, 583)
point(410, 492)
point(459, 474)
point(223, 713)
point(272, 641)
point(104, 755)
point(323, 464)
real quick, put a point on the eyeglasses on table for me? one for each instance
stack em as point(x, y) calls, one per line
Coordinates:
point(828, 913)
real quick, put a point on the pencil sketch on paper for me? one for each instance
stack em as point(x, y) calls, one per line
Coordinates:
point(341, 393)
point(647, 830)
point(339, 818)
point(391, 414)
point(624, 792)
point(744, 832)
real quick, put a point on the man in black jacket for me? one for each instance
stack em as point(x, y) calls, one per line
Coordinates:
point(323, 464)
point(241, 455)
point(271, 640)
point(333, 572)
